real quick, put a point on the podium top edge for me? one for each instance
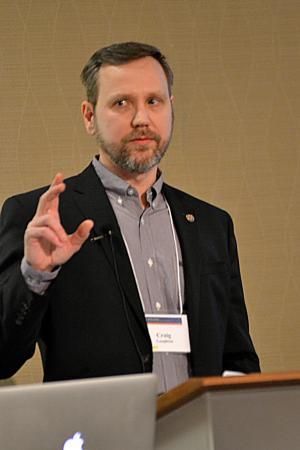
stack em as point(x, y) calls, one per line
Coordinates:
point(194, 387)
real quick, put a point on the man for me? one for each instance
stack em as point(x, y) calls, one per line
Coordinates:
point(113, 254)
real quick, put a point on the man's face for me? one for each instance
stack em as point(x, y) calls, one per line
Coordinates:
point(133, 116)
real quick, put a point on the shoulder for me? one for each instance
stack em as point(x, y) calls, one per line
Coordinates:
point(29, 200)
point(197, 205)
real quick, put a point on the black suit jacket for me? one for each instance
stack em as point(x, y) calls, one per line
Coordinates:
point(90, 322)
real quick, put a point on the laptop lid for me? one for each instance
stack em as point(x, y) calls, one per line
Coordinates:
point(113, 413)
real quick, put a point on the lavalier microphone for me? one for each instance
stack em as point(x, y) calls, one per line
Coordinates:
point(101, 236)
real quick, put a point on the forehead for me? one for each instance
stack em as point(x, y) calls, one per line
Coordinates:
point(138, 76)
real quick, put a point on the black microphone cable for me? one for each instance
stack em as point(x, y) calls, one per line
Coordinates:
point(124, 303)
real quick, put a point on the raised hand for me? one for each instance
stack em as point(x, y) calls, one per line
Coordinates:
point(46, 243)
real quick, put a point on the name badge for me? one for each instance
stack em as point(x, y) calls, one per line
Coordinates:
point(169, 332)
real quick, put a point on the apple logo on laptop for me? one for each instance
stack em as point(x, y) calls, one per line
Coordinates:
point(74, 443)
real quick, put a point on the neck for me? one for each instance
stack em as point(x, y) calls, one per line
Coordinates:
point(140, 181)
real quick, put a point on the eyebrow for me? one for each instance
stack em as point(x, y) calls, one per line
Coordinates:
point(120, 95)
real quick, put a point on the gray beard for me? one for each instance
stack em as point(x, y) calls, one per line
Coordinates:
point(122, 156)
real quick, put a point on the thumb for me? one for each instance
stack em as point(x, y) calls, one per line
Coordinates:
point(82, 233)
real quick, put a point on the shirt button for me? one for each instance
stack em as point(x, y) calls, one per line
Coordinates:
point(120, 201)
point(142, 220)
point(150, 262)
point(130, 191)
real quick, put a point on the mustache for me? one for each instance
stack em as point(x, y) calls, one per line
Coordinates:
point(147, 134)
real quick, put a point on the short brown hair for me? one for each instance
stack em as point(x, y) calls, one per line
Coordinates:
point(117, 54)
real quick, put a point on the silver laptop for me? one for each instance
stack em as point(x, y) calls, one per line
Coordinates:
point(114, 413)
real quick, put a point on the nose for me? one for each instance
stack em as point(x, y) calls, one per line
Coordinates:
point(141, 117)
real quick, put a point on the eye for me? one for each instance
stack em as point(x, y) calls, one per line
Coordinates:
point(121, 102)
point(153, 101)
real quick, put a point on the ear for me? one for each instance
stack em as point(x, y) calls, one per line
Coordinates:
point(88, 114)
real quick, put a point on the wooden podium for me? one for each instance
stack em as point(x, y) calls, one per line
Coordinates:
point(252, 412)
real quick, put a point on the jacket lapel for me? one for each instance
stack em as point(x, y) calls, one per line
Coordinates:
point(90, 197)
point(187, 222)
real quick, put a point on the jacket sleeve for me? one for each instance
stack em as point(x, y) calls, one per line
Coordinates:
point(21, 311)
point(239, 353)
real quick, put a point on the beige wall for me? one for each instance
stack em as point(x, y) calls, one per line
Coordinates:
point(236, 140)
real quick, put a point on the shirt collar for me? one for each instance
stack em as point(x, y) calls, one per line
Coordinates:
point(113, 183)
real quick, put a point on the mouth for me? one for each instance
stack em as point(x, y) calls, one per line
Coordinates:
point(142, 140)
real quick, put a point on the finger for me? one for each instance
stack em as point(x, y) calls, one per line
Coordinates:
point(48, 220)
point(57, 186)
point(49, 200)
point(38, 233)
point(82, 233)
point(59, 178)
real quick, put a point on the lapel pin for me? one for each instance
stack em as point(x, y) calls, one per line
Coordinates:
point(190, 218)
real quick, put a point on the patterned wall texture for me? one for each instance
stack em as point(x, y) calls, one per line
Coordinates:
point(236, 139)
